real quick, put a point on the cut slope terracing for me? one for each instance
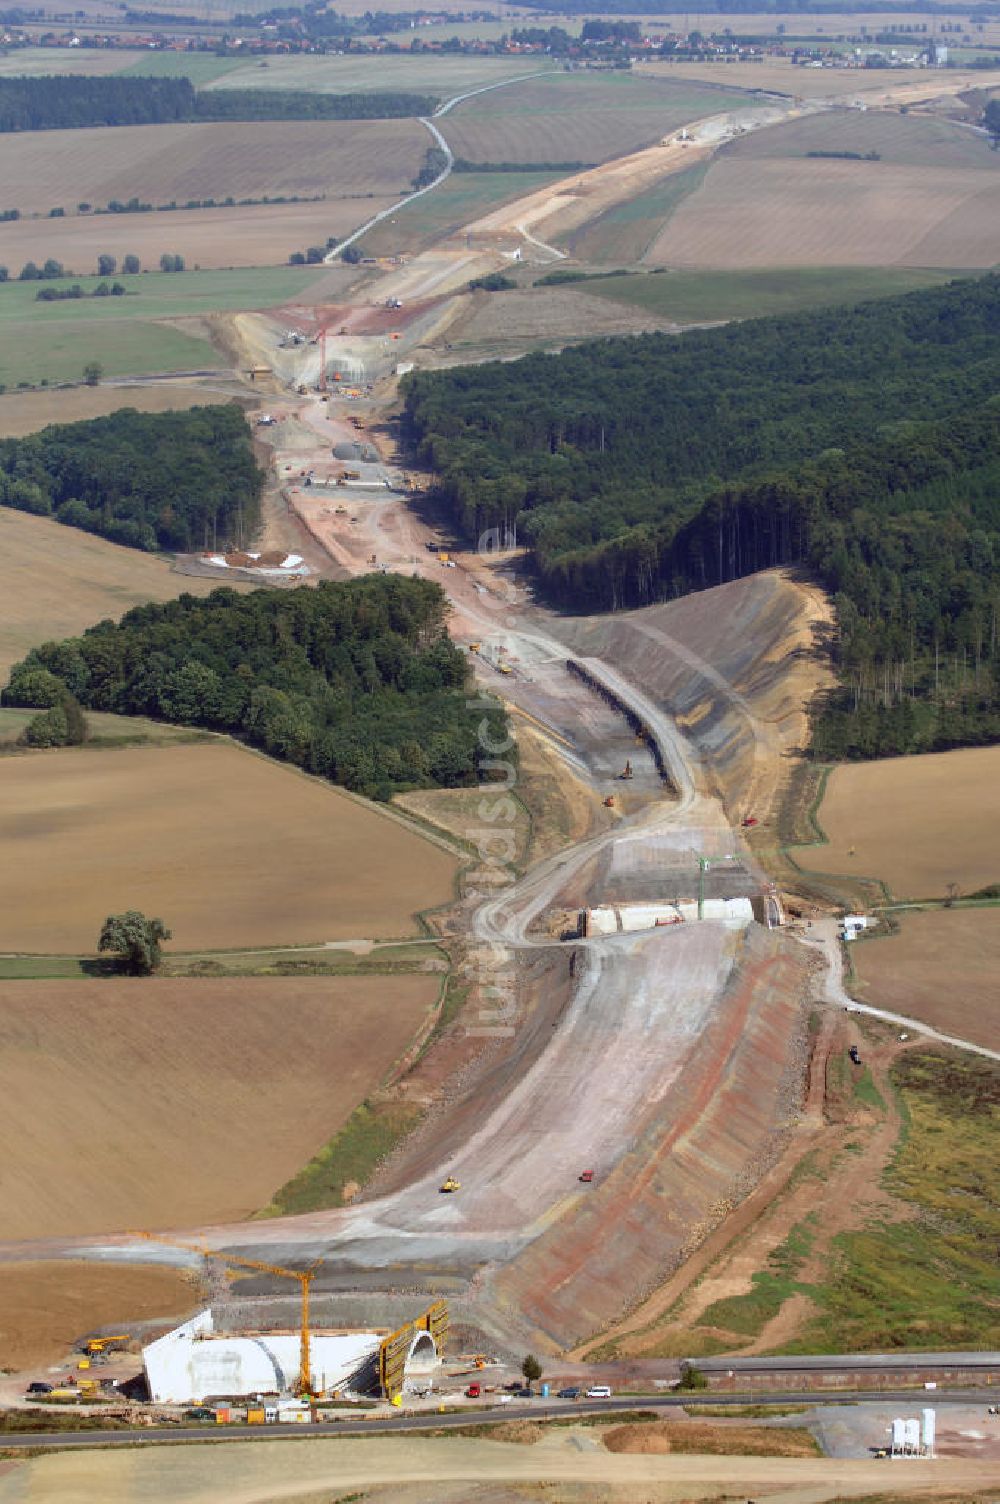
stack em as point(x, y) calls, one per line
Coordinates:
point(707, 1134)
point(737, 665)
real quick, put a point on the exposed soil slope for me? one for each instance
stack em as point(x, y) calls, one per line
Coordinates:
point(736, 665)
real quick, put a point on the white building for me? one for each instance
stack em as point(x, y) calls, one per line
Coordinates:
point(194, 1361)
point(627, 918)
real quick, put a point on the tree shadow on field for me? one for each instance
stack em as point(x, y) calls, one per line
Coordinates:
point(102, 966)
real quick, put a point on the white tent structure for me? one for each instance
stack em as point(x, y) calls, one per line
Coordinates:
point(195, 1361)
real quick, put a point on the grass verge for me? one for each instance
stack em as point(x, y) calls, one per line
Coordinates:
point(748, 1314)
point(350, 1158)
point(698, 1439)
point(697, 297)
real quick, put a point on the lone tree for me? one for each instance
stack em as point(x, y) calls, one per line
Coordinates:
point(136, 940)
point(92, 373)
point(532, 1369)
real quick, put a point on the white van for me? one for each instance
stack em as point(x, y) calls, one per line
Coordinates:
point(598, 1392)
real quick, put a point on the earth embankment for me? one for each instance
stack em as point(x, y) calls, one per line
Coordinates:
point(736, 665)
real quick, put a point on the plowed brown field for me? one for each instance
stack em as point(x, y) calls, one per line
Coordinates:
point(227, 847)
point(942, 968)
point(46, 1308)
point(41, 170)
point(56, 580)
point(151, 1102)
point(915, 822)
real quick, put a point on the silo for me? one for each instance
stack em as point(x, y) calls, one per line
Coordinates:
point(928, 1431)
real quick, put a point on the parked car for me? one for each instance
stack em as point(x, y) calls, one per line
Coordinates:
point(598, 1392)
point(569, 1394)
point(199, 1412)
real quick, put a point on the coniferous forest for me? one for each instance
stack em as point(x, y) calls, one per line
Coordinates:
point(860, 444)
point(356, 681)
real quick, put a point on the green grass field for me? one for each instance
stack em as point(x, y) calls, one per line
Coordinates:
point(113, 730)
point(579, 117)
point(928, 1279)
point(461, 198)
point(622, 236)
point(34, 61)
point(444, 76)
point(699, 297)
point(54, 341)
point(200, 67)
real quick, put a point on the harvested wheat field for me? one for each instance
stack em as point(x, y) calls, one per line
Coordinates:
point(41, 170)
point(918, 823)
point(941, 968)
point(905, 140)
point(155, 1102)
point(229, 848)
point(760, 213)
point(27, 412)
point(46, 1307)
point(56, 580)
point(261, 235)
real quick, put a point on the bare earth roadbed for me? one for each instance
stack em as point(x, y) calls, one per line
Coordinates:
point(228, 848)
point(153, 1102)
point(918, 823)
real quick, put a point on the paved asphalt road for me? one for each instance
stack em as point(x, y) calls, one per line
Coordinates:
point(433, 1421)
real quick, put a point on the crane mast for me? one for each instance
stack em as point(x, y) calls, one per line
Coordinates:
point(304, 1277)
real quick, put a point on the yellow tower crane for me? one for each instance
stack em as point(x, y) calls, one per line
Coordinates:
point(304, 1276)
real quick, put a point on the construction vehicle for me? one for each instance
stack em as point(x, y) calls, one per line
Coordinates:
point(587, 1176)
point(855, 1054)
point(348, 475)
point(96, 1347)
point(305, 1278)
point(609, 802)
point(504, 668)
point(626, 771)
point(475, 647)
point(749, 822)
point(450, 1186)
